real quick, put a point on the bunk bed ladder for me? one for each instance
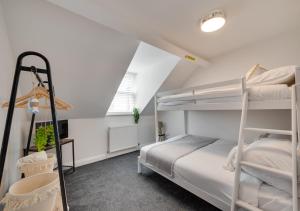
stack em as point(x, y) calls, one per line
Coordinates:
point(290, 175)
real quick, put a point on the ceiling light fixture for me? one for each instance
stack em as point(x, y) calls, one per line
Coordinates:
point(213, 22)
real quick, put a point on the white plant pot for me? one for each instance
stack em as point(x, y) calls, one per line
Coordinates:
point(35, 193)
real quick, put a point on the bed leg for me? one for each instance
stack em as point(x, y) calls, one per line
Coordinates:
point(139, 170)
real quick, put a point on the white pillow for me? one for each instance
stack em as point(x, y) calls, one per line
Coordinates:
point(274, 153)
point(255, 71)
point(230, 162)
point(282, 75)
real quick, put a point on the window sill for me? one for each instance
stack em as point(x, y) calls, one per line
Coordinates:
point(119, 114)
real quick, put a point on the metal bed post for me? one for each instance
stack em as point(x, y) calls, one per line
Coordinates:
point(10, 113)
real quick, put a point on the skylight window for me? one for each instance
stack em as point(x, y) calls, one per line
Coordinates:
point(124, 100)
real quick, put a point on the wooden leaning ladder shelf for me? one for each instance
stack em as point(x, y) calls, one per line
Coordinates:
point(236, 202)
point(53, 102)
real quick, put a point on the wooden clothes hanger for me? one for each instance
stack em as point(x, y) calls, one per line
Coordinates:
point(39, 93)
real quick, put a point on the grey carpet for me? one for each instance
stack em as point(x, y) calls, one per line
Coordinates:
point(114, 184)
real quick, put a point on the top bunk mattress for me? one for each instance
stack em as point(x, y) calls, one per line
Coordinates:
point(256, 93)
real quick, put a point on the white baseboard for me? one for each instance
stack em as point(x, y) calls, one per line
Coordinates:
point(121, 152)
point(97, 158)
point(87, 160)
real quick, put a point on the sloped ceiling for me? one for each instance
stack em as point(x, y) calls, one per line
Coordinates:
point(88, 59)
point(92, 42)
point(177, 21)
point(153, 66)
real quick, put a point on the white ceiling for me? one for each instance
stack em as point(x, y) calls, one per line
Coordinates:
point(88, 60)
point(177, 21)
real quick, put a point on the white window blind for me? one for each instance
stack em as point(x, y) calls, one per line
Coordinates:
point(124, 99)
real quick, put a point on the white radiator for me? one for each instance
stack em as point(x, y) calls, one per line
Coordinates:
point(122, 138)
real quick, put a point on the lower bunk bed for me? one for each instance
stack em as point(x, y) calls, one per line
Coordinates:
point(201, 171)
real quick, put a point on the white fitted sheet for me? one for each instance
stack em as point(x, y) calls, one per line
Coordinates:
point(256, 93)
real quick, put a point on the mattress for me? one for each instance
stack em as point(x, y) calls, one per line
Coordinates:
point(203, 169)
point(144, 149)
point(215, 180)
point(256, 93)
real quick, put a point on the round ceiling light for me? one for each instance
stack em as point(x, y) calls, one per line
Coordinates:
point(213, 22)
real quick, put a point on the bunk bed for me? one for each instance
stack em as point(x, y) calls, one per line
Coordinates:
point(201, 170)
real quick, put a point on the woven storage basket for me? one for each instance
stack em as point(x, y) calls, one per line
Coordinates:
point(38, 167)
point(35, 193)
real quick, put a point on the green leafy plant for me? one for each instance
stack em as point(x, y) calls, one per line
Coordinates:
point(50, 135)
point(44, 136)
point(40, 139)
point(136, 115)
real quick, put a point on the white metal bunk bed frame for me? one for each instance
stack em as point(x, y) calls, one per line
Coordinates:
point(244, 105)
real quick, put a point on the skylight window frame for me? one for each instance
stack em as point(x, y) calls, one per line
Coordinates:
point(131, 93)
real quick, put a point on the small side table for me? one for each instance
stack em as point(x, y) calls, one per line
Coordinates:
point(67, 141)
point(61, 143)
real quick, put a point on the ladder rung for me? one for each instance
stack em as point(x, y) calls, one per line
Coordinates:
point(247, 206)
point(285, 174)
point(272, 131)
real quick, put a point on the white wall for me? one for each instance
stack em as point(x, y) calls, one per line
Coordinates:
point(283, 49)
point(15, 142)
point(91, 136)
point(173, 122)
point(225, 125)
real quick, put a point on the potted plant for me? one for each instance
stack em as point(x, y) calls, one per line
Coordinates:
point(44, 136)
point(136, 115)
point(50, 135)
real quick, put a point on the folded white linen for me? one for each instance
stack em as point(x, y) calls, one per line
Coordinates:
point(249, 189)
point(34, 157)
point(271, 199)
point(261, 195)
point(231, 159)
point(281, 75)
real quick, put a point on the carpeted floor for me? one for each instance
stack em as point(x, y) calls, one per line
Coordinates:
point(114, 184)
